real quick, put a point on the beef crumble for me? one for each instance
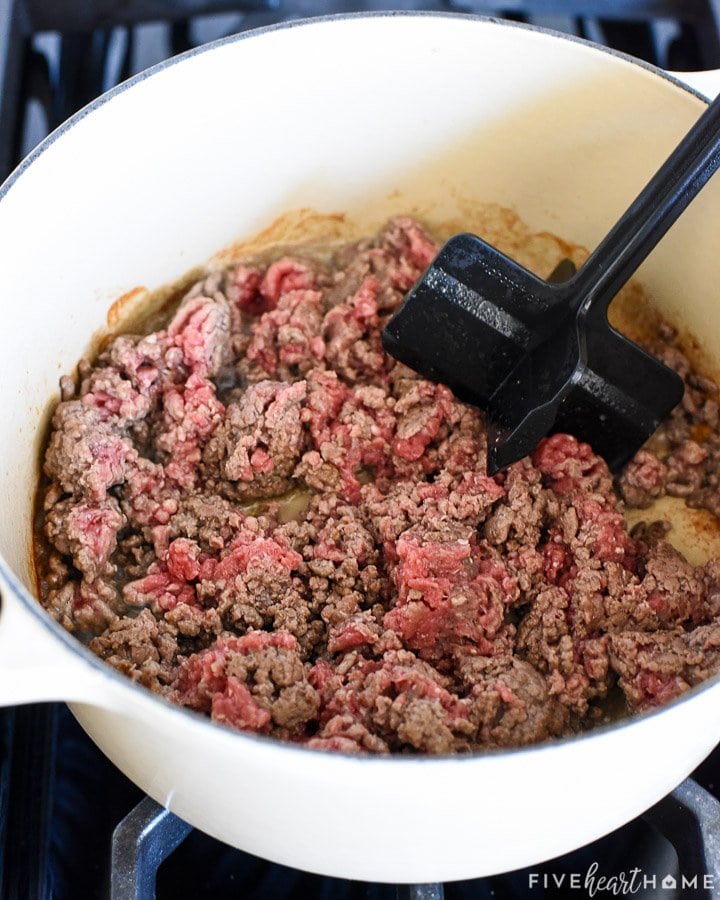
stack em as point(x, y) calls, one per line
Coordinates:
point(257, 514)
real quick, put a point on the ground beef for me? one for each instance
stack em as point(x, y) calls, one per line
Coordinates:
point(683, 458)
point(452, 591)
point(190, 414)
point(206, 518)
point(285, 342)
point(115, 396)
point(643, 480)
point(341, 568)
point(655, 668)
point(349, 430)
point(352, 337)
point(260, 440)
point(511, 701)
point(257, 682)
point(144, 648)
point(86, 532)
point(87, 453)
point(397, 697)
point(259, 515)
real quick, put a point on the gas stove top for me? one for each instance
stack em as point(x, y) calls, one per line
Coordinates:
point(71, 825)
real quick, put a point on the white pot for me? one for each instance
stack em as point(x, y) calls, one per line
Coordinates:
point(372, 114)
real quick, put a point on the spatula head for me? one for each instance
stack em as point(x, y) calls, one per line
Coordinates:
point(517, 347)
point(587, 380)
point(470, 318)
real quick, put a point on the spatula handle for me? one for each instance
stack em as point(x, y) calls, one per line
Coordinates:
point(667, 194)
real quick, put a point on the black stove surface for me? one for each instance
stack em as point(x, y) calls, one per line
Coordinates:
point(61, 800)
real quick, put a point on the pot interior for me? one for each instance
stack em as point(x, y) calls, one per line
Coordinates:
point(370, 116)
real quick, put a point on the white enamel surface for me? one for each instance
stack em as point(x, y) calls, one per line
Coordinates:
point(403, 820)
point(364, 115)
point(34, 665)
point(707, 82)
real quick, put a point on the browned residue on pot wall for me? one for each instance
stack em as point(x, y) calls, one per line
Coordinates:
point(124, 305)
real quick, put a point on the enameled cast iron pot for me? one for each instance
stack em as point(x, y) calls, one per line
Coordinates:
point(370, 114)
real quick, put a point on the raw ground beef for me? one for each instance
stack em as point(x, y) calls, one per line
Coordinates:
point(257, 514)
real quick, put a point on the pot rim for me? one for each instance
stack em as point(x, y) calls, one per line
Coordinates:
point(269, 744)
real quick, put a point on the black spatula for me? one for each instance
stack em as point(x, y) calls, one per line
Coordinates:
point(539, 356)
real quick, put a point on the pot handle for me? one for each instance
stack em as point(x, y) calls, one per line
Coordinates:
point(706, 83)
point(37, 666)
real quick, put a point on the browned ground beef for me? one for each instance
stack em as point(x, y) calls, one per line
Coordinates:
point(400, 600)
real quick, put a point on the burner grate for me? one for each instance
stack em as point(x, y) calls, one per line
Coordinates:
point(145, 837)
point(690, 819)
point(150, 833)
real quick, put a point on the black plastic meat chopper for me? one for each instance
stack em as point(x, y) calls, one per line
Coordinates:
point(539, 356)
